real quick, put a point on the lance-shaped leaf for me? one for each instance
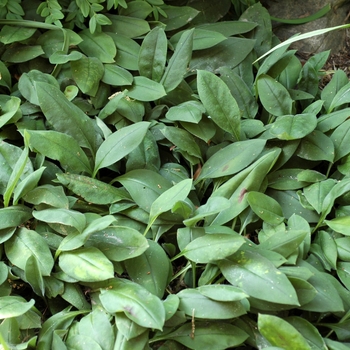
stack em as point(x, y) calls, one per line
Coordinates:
point(61, 147)
point(168, 199)
point(92, 190)
point(258, 277)
point(76, 239)
point(280, 333)
point(207, 308)
point(274, 96)
point(13, 216)
point(178, 62)
point(14, 306)
point(62, 216)
point(87, 73)
point(231, 159)
point(136, 302)
point(86, 265)
point(267, 208)
point(66, 117)
point(212, 247)
point(152, 56)
point(25, 243)
point(144, 89)
point(226, 335)
point(15, 175)
point(219, 103)
point(119, 144)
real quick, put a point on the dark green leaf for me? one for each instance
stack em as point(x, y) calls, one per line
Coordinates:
point(136, 302)
point(177, 66)
point(258, 277)
point(212, 91)
point(150, 269)
point(119, 144)
point(231, 159)
point(87, 73)
point(281, 333)
point(98, 45)
point(226, 335)
point(61, 147)
point(152, 57)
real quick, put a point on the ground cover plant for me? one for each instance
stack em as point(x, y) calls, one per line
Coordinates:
point(161, 188)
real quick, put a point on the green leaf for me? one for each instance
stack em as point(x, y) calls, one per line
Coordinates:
point(14, 306)
point(284, 243)
point(185, 143)
point(130, 27)
point(274, 96)
point(189, 111)
point(61, 147)
point(10, 111)
point(26, 243)
point(15, 175)
point(10, 34)
point(27, 184)
point(202, 38)
point(99, 45)
point(136, 302)
point(116, 76)
point(177, 16)
point(92, 190)
point(316, 146)
point(86, 265)
point(212, 91)
point(177, 66)
point(340, 224)
point(76, 239)
point(212, 247)
point(292, 127)
point(229, 53)
point(226, 335)
point(169, 198)
point(33, 275)
point(281, 333)
point(119, 144)
point(119, 243)
point(62, 216)
point(152, 56)
point(127, 52)
point(327, 297)
point(192, 302)
point(67, 118)
point(53, 196)
point(60, 321)
point(231, 159)
point(87, 73)
point(267, 208)
point(341, 97)
point(150, 269)
point(13, 216)
point(241, 92)
point(96, 325)
point(144, 89)
point(341, 139)
point(214, 205)
point(222, 292)
point(258, 277)
point(18, 53)
point(235, 188)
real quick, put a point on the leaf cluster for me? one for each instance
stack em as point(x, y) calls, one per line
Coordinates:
point(161, 188)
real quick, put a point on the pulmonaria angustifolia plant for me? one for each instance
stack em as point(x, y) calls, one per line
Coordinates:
point(161, 188)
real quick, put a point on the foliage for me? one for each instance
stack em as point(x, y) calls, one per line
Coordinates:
point(162, 191)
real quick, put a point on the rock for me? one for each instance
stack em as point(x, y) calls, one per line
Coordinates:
point(290, 9)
